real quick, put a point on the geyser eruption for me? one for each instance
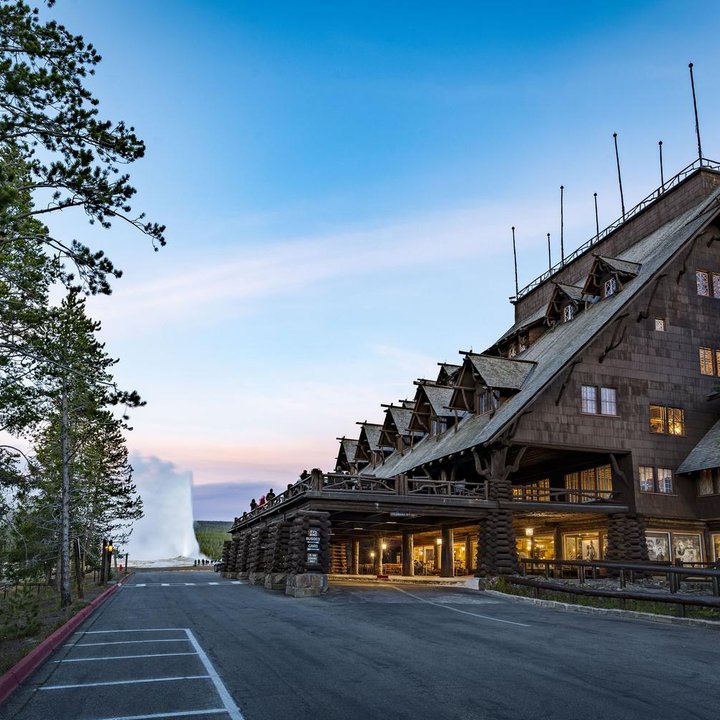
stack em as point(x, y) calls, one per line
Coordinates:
point(166, 529)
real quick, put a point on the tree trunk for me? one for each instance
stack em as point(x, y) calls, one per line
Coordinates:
point(79, 574)
point(65, 595)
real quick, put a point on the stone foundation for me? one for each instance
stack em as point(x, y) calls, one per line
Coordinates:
point(276, 581)
point(306, 585)
point(256, 578)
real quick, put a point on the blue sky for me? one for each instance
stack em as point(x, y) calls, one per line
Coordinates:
point(339, 181)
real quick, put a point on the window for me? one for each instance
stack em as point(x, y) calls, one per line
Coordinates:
point(512, 352)
point(660, 324)
point(591, 484)
point(706, 361)
point(709, 482)
point(486, 401)
point(676, 421)
point(568, 313)
point(702, 281)
point(589, 400)
point(608, 401)
point(708, 283)
point(536, 491)
point(709, 361)
point(610, 286)
point(655, 481)
point(667, 420)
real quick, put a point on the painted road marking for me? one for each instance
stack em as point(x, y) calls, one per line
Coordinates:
point(122, 657)
point(230, 706)
point(105, 632)
point(126, 642)
point(213, 711)
point(127, 682)
point(463, 612)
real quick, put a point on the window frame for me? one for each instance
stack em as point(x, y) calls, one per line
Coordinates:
point(593, 401)
point(661, 480)
point(671, 420)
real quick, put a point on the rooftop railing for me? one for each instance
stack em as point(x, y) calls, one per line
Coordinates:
point(649, 200)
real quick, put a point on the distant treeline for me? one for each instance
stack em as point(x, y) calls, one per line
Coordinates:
point(211, 534)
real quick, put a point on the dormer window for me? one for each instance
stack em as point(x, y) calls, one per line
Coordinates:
point(522, 344)
point(486, 401)
point(568, 313)
point(512, 351)
point(610, 287)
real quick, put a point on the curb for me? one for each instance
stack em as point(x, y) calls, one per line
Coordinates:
point(616, 612)
point(12, 679)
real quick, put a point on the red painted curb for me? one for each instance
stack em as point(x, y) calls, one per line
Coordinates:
point(10, 681)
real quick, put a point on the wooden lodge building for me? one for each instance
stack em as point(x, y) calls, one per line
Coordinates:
point(589, 430)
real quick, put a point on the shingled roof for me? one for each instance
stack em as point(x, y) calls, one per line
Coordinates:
point(501, 372)
point(557, 347)
point(705, 455)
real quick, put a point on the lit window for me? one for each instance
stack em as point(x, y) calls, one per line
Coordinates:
point(610, 286)
point(667, 420)
point(652, 481)
point(702, 280)
point(608, 401)
point(589, 399)
point(706, 361)
point(660, 324)
point(658, 419)
point(676, 421)
point(568, 313)
point(590, 484)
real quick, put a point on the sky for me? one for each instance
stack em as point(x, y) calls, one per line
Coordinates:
point(339, 181)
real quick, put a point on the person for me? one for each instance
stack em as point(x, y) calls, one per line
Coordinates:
point(270, 496)
point(304, 474)
point(591, 551)
point(253, 504)
point(261, 501)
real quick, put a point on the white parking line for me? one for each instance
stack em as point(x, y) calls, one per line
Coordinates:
point(105, 632)
point(127, 642)
point(127, 682)
point(122, 657)
point(212, 711)
point(463, 612)
point(230, 706)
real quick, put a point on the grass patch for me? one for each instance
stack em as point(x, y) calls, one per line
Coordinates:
point(31, 612)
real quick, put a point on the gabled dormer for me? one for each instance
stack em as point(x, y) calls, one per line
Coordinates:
point(346, 456)
point(431, 415)
point(566, 302)
point(486, 381)
point(608, 276)
point(369, 451)
point(395, 433)
point(448, 373)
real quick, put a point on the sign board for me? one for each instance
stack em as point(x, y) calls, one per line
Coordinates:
point(312, 546)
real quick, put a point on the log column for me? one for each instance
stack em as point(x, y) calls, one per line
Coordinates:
point(355, 557)
point(447, 565)
point(626, 538)
point(408, 547)
point(308, 554)
point(469, 560)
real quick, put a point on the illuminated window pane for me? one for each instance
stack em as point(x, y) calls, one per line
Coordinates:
point(604, 481)
point(572, 482)
point(608, 401)
point(676, 421)
point(706, 361)
point(658, 419)
point(665, 480)
point(589, 399)
point(703, 283)
point(660, 324)
point(717, 361)
point(647, 478)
